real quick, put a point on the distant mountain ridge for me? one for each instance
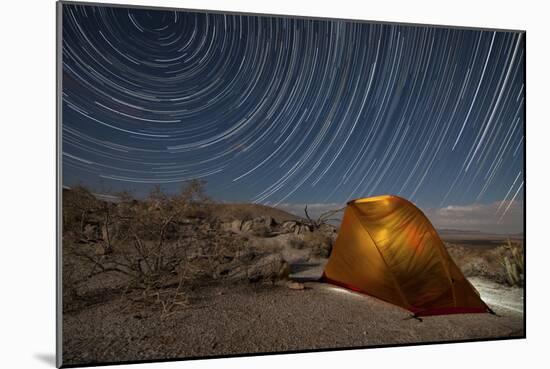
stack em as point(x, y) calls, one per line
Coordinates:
point(229, 211)
point(224, 211)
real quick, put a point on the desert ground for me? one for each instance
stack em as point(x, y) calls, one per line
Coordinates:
point(197, 279)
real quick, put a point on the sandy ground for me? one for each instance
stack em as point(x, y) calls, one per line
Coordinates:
point(256, 318)
point(505, 300)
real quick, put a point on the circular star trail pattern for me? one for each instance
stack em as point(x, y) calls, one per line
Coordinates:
point(281, 109)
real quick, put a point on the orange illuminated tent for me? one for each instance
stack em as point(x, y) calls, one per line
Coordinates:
point(387, 248)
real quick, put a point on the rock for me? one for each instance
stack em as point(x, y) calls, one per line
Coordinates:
point(288, 226)
point(291, 226)
point(260, 226)
point(300, 229)
point(253, 266)
point(261, 230)
point(246, 225)
point(236, 225)
point(270, 267)
point(269, 221)
point(233, 226)
point(295, 285)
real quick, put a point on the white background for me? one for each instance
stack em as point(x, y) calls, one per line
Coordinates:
point(27, 206)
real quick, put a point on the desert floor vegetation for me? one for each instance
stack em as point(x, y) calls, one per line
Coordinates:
point(179, 275)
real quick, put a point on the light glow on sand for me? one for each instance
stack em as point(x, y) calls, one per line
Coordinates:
point(344, 291)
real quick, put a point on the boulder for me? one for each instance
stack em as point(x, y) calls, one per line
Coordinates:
point(233, 226)
point(268, 268)
point(247, 225)
point(261, 226)
point(301, 228)
point(236, 225)
point(295, 286)
point(268, 221)
point(288, 226)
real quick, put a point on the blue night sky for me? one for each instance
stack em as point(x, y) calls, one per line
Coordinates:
point(288, 111)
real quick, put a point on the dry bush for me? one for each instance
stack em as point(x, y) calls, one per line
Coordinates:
point(502, 264)
point(87, 219)
point(322, 220)
point(151, 250)
point(148, 225)
point(144, 234)
point(513, 262)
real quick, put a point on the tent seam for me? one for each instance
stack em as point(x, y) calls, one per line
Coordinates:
point(441, 258)
point(394, 279)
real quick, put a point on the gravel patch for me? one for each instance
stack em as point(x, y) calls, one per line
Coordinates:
point(259, 318)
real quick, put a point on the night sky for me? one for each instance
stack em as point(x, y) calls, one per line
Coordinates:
point(287, 111)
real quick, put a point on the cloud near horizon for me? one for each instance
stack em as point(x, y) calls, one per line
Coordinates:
point(497, 217)
point(487, 218)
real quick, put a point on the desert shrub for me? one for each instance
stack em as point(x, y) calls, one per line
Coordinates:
point(139, 230)
point(513, 263)
point(157, 244)
point(322, 220)
point(79, 205)
point(87, 218)
point(148, 226)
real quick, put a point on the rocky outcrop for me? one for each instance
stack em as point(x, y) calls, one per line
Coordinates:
point(295, 227)
point(254, 267)
point(266, 226)
point(261, 226)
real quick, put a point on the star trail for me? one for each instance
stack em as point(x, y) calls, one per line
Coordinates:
point(292, 110)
